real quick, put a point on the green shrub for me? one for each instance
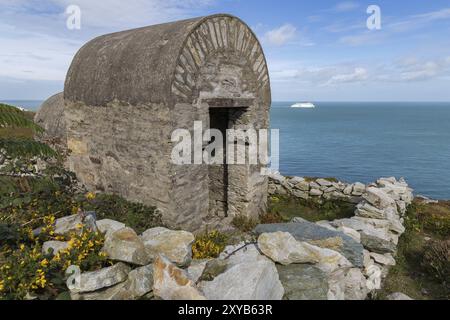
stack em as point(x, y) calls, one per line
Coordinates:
point(209, 245)
point(26, 271)
point(26, 148)
point(244, 224)
point(12, 117)
point(135, 215)
point(436, 259)
point(271, 217)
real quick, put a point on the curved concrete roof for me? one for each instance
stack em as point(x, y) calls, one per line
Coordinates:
point(141, 65)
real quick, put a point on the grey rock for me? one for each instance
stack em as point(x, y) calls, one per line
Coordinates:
point(174, 245)
point(212, 269)
point(117, 292)
point(172, 283)
point(124, 245)
point(329, 190)
point(355, 235)
point(355, 285)
point(68, 224)
point(378, 198)
point(314, 185)
point(376, 244)
point(196, 269)
point(399, 297)
point(303, 282)
point(282, 248)
point(308, 232)
point(385, 259)
point(53, 247)
point(303, 186)
point(109, 226)
point(365, 210)
point(358, 189)
point(295, 180)
point(104, 278)
point(245, 281)
point(348, 190)
point(140, 281)
point(300, 194)
point(324, 182)
point(315, 192)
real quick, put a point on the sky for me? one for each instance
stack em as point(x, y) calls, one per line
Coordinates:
point(316, 50)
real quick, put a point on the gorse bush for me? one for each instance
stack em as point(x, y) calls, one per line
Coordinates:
point(27, 271)
point(209, 245)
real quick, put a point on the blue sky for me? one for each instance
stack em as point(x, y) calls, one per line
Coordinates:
point(316, 50)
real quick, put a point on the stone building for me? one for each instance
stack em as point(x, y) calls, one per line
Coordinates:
point(126, 92)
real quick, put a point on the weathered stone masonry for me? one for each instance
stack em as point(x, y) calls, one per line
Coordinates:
point(126, 92)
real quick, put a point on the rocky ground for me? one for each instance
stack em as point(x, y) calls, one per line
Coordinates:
point(344, 259)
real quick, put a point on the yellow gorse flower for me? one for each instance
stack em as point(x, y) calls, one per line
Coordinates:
point(90, 196)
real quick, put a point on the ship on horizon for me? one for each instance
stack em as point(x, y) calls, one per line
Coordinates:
point(304, 105)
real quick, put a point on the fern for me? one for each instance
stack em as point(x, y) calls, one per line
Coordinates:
point(13, 117)
point(26, 148)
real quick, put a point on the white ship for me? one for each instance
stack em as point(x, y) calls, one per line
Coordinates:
point(304, 105)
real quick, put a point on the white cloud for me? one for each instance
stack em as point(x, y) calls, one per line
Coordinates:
point(37, 46)
point(346, 6)
point(364, 38)
point(412, 69)
point(281, 35)
point(358, 75)
point(390, 28)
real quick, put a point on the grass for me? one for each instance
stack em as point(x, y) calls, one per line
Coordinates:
point(424, 224)
point(289, 207)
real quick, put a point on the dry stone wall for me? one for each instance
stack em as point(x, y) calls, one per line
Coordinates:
point(377, 224)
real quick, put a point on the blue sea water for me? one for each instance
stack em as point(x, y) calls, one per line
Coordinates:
point(26, 104)
point(365, 141)
point(360, 141)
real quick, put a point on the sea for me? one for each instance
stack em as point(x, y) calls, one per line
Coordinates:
point(362, 141)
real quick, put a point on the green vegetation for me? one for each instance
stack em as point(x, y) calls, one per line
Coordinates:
point(209, 245)
point(136, 215)
point(17, 131)
point(244, 224)
point(12, 117)
point(290, 207)
point(28, 202)
point(423, 259)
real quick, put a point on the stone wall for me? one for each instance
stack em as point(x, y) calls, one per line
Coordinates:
point(110, 155)
point(377, 224)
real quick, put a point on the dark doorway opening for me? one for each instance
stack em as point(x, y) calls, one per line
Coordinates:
point(218, 173)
